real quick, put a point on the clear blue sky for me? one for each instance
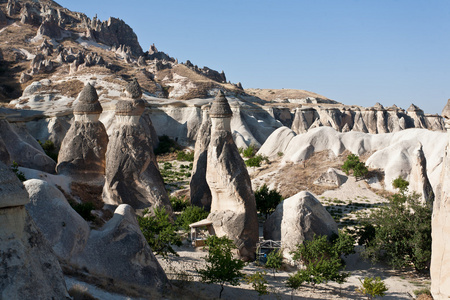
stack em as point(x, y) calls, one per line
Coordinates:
point(354, 51)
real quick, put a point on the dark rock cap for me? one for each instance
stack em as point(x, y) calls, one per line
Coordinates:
point(220, 107)
point(446, 110)
point(133, 107)
point(133, 89)
point(378, 106)
point(413, 107)
point(88, 101)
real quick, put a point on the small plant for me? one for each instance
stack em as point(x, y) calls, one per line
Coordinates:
point(258, 282)
point(178, 203)
point(185, 155)
point(267, 200)
point(274, 260)
point(159, 231)
point(256, 161)
point(372, 287)
point(352, 163)
point(84, 210)
point(295, 281)
point(249, 152)
point(280, 154)
point(400, 184)
point(166, 145)
point(221, 267)
point(19, 174)
point(50, 149)
point(191, 215)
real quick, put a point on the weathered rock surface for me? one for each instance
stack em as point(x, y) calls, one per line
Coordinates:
point(23, 148)
point(66, 231)
point(82, 152)
point(233, 207)
point(119, 251)
point(332, 177)
point(132, 174)
point(297, 219)
point(419, 178)
point(29, 268)
point(200, 193)
point(440, 255)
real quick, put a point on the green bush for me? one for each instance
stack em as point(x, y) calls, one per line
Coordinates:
point(185, 155)
point(258, 282)
point(256, 161)
point(372, 287)
point(15, 168)
point(401, 184)
point(84, 210)
point(399, 232)
point(221, 267)
point(353, 164)
point(191, 215)
point(159, 231)
point(178, 203)
point(166, 145)
point(274, 260)
point(267, 200)
point(249, 152)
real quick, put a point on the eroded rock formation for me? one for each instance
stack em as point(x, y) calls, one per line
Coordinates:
point(418, 179)
point(297, 219)
point(233, 207)
point(440, 254)
point(82, 153)
point(29, 268)
point(132, 174)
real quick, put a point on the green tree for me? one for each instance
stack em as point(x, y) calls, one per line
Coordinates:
point(191, 215)
point(295, 281)
point(400, 184)
point(354, 164)
point(221, 267)
point(258, 282)
point(372, 287)
point(159, 231)
point(399, 232)
point(274, 260)
point(267, 200)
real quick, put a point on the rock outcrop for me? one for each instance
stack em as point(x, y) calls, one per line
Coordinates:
point(331, 177)
point(120, 252)
point(440, 254)
point(199, 189)
point(132, 174)
point(66, 231)
point(297, 219)
point(233, 207)
point(29, 268)
point(419, 182)
point(82, 153)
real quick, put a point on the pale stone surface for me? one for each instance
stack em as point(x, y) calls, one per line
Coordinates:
point(419, 178)
point(66, 231)
point(233, 207)
point(297, 219)
point(119, 251)
point(29, 268)
point(332, 177)
point(199, 189)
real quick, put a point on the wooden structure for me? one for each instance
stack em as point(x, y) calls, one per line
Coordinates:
point(264, 247)
point(200, 231)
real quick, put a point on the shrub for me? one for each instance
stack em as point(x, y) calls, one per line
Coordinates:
point(353, 164)
point(185, 155)
point(295, 281)
point(274, 260)
point(166, 145)
point(84, 209)
point(191, 215)
point(267, 200)
point(159, 231)
point(249, 152)
point(221, 267)
point(372, 287)
point(258, 282)
point(50, 149)
point(256, 161)
point(15, 168)
point(401, 184)
point(399, 232)
point(178, 203)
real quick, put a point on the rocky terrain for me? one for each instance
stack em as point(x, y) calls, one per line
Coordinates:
point(88, 87)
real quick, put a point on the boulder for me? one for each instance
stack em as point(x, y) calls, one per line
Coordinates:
point(119, 251)
point(297, 219)
point(82, 152)
point(132, 174)
point(332, 177)
point(200, 193)
point(66, 231)
point(29, 268)
point(233, 206)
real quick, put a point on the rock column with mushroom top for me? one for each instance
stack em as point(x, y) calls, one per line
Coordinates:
point(82, 153)
point(440, 232)
point(29, 269)
point(233, 207)
point(132, 174)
